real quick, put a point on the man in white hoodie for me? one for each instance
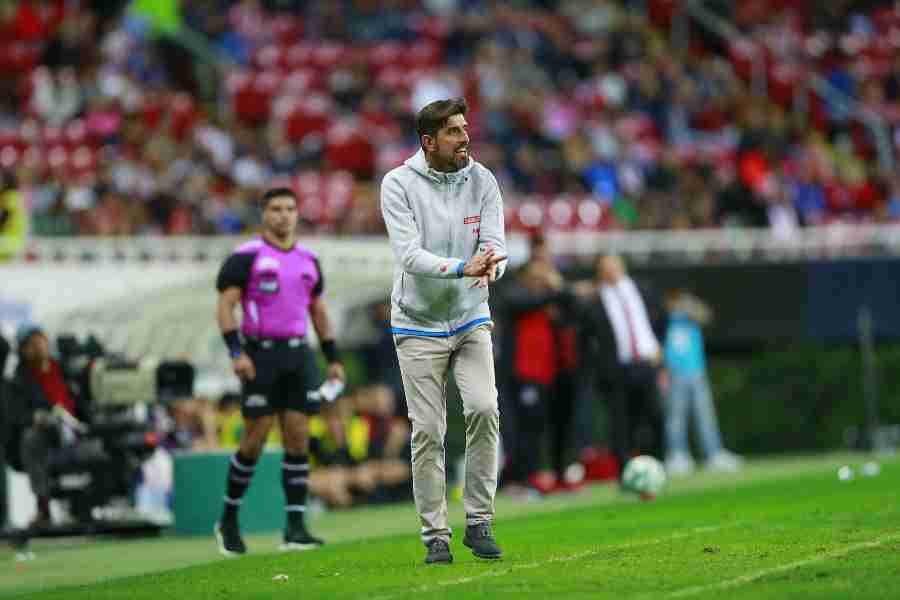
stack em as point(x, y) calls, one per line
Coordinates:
point(444, 217)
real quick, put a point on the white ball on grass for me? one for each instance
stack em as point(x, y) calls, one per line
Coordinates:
point(645, 476)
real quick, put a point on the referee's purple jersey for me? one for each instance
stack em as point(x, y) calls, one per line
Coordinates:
point(277, 287)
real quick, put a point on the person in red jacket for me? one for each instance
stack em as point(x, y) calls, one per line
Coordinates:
point(533, 363)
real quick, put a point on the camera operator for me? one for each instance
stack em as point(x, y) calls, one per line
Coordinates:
point(44, 420)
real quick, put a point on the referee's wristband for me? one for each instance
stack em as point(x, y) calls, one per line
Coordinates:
point(460, 268)
point(233, 341)
point(329, 349)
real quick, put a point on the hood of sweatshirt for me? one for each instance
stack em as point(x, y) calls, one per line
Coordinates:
point(417, 163)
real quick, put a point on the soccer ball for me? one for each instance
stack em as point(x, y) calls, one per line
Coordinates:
point(644, 475)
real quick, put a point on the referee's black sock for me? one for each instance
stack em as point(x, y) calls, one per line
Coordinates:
point(240, 473)
point(295, 480)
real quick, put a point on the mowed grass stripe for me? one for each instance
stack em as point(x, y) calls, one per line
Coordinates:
point(753, 577)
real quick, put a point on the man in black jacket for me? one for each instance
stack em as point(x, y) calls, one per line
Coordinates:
point(39, 404)
point(618, 325)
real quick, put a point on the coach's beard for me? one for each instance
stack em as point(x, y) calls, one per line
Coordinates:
point(461, 157)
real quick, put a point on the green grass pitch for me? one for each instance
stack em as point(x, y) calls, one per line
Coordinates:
point(783, 528)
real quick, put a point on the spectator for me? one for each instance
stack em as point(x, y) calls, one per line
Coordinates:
point(689, 390)
point(193, 425)
point(13, 218)
point(57, 96)
point(345, 471)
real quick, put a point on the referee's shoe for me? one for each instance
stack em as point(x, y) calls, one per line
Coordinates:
point(296, 537)
point(480, 539)
point(228, 535)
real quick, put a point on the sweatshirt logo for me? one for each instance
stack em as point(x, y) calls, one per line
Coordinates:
point(471, 220)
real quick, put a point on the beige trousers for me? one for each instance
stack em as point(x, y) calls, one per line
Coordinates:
point(425, 363)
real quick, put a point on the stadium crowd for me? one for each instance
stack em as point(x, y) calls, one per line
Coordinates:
point(590, 115)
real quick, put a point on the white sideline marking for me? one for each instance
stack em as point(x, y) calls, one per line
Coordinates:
point(557, 559)
point(750, 578)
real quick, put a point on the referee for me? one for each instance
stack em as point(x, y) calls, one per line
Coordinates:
point(276, 280)
point(444, 217)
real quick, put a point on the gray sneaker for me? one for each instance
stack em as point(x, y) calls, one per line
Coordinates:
point(480, 539)
point(438, 552)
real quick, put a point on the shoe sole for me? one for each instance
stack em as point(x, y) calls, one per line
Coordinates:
point(480, 555)
point(221, 542)
point(291, 546)
point(439, 562)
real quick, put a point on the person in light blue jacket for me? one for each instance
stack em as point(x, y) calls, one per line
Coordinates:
point(444, 216)
point(689, 389)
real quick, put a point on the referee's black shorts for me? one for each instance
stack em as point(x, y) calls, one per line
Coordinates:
point(286, 374)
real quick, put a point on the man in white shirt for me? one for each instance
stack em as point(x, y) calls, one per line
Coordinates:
point(627, 357)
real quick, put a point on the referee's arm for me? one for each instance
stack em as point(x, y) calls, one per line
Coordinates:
point(318, 313)
point(241, 363)
point(228, 300)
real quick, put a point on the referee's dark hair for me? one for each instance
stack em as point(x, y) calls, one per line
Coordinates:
point(276, 193)
point(434, 116)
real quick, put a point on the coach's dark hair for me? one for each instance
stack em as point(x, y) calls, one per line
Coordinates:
point(276, 193)
point(434, 116)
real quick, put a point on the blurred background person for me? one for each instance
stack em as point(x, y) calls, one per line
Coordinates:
point(689, 392)
point(193, 425)
point(355, 460)
point(45, 416)
point(627, 359)
point(381, 365)
point(565, 390)
point(530, 357)
point(13, 217)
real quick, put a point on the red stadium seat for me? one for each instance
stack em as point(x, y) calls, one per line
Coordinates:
point(784, 80)
point(253, 99)
point(348, 148)
point(286, 28)
point(423, 54)
point(268, 57)
point(58, 159)
point(562, 214)
point(299, 81)
point(530, 215)
point(76, 133)
point(83, 161)
point(298, 56)
point(310, 116)
point(52, 135)
point(386, 54)
point(34, 159)
point(590, 214)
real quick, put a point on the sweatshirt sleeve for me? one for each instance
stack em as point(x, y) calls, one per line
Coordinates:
point(492, 233)
point(406, 239)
